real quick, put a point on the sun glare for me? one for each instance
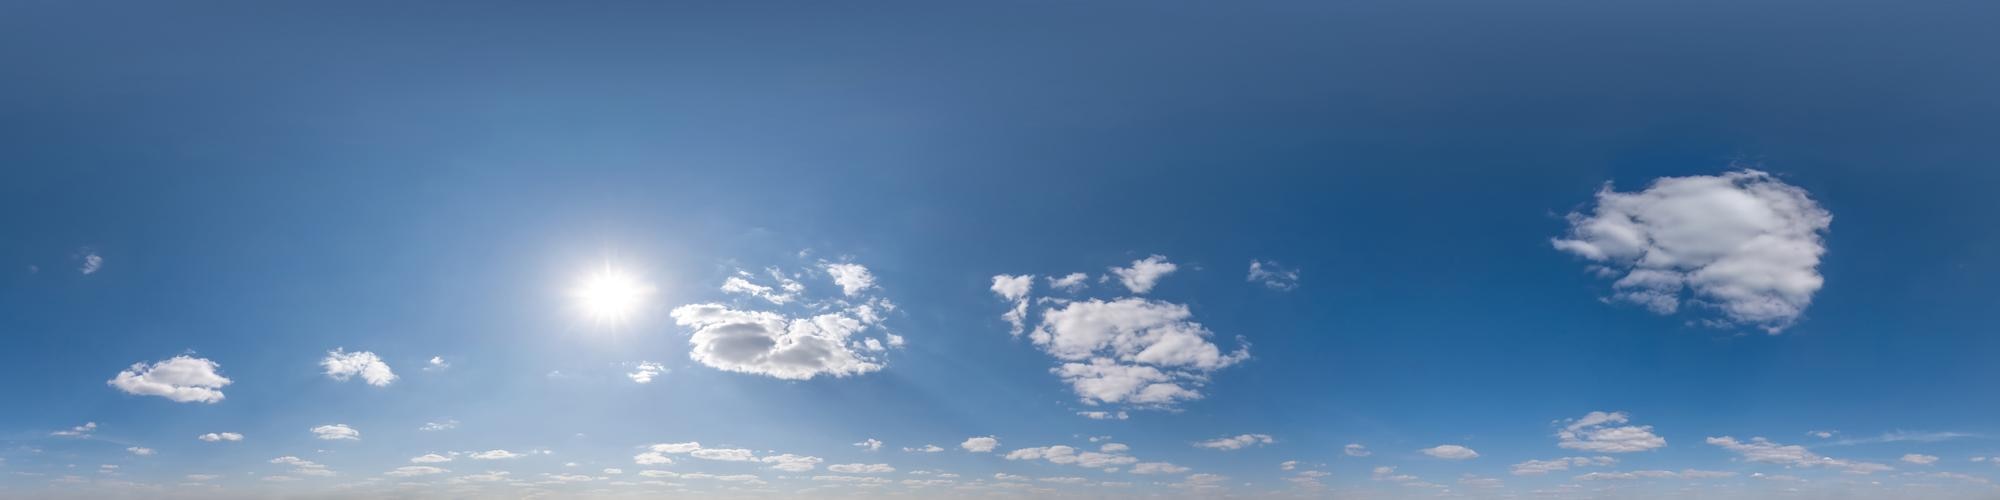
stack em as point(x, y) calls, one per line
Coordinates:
point(611, 296)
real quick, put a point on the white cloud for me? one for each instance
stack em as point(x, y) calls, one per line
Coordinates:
point(1131, 350)
point(1595, 432)
point(852, 278)
point(78, 431)
point(1072, 282)
point(437, 363)
point(494, 455)
point(1236, 442)
point(770, 344)
point(336, 431)
point(1764, 451)
point(220, 436)
point(1114, 448)
point(441, 425)
point(1540, 467)
point(415, 470)
point(871, 444)
point(983, 444)
point(929, 448)
point(342, 365)
point(1104, 415)
point(1157, 468)
point(432, 458)
point(140, 451)
point(1273, 276)
point(741, 284)
point(1014, 289)
point(92, 262)
point(1743, 242)
point(182, 379)
point(1451, 452)
point(303, 467)
point(1355, 450)
point(1144, 273)
point(861, 468)
point(724, 454)
point(645, 372)
point(1920, 459)
point(786, 462)
point(1065, 455)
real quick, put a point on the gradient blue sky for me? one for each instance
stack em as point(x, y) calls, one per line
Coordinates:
point(260, 184)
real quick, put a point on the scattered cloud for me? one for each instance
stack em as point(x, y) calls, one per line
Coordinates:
point(336, 432)
point(1014, 289)
point(870, 444)
point(342, 365)
point(441, 425)
point(182, 379)
point(983, 444)
point(1104, 415)
point(1742, 242)
point(1065, 455)
point(220, 436)
point(852, 278)
point(1157, 468)
point(1598, 432)
point(1355, 450)
point(1451, 452)
point(1273, 276)
point(1236, 442)
point(81, 431)
point(785, 462)
point(645, 371)
point(1765, 451)
point(1540, 467)
point(861, 468)
point(1920, 459)
point(140, 451)
point(415, 470)
point(822, 338)
point(1144, 273)
point(930, 448)
point(1070, 283)
point(437, 364)
point(494, 455)
point(302, 467)
point(92, 262)
point(433, 458)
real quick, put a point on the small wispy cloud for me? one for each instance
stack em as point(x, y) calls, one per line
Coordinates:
point(1907, 437)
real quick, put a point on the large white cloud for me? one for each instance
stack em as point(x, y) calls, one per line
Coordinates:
point(980, 444)
point(816, 337)
point(182, 379)
point(342, 365)
point(1598, 432)
point(1743, 242)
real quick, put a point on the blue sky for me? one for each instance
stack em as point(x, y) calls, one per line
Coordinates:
point(1533, 249)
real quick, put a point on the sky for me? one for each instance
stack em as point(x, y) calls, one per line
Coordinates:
point(1358, 250)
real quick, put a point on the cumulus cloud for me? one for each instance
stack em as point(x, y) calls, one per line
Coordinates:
point(182, 379)
point(1355, 450)
point(342, 365)
point(786, 291)
point(982, 444)
point(1743, 242)
point(1014, 289)
point(852, 278)
point(1272, 275)
point(870, 444)
point(1451, 452)
point(861, 468)
point(1071, 283)
point(1144, 273)
point(645, 371)
point(791, 463)
point(1598, 432)
point(1762, 450)
point(220, 436)
point(1236, 442)
point(1065, 455)
point(433, 458)
point(436, 364)
point(336, 432)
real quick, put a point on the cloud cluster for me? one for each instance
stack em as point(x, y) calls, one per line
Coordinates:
point(1236, 442)
point(342, 365)
point(1762, 450)
point(1273, 276)
point(1598, 432)
point(182, 379)
point(1742, 242)
point(827, 341)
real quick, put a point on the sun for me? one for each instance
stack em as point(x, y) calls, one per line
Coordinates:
point(611, 296)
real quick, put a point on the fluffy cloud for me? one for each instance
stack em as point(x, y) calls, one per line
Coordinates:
point(1144, 273)
point(1597, 432)
point(787, 462)
point(494, 455)
point(852, 278)
point(1764, 451)
point(1072, 282)
point(786, 291)
point(824, 338)
point(436, 364)
point(342, 365)
point(983, 444)
point(1236, 442)
point(1742, 242)
point(220, 436)
point(432, 458)
point(335, 432)
point(1273, 276)
point(1014, 289)
point(645, 372)
point(929, 448)
point(1451, 452)
point(302, 467)
point(1355, 450)
point(1540, 467)
point(871, 444)
point(182, 379)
